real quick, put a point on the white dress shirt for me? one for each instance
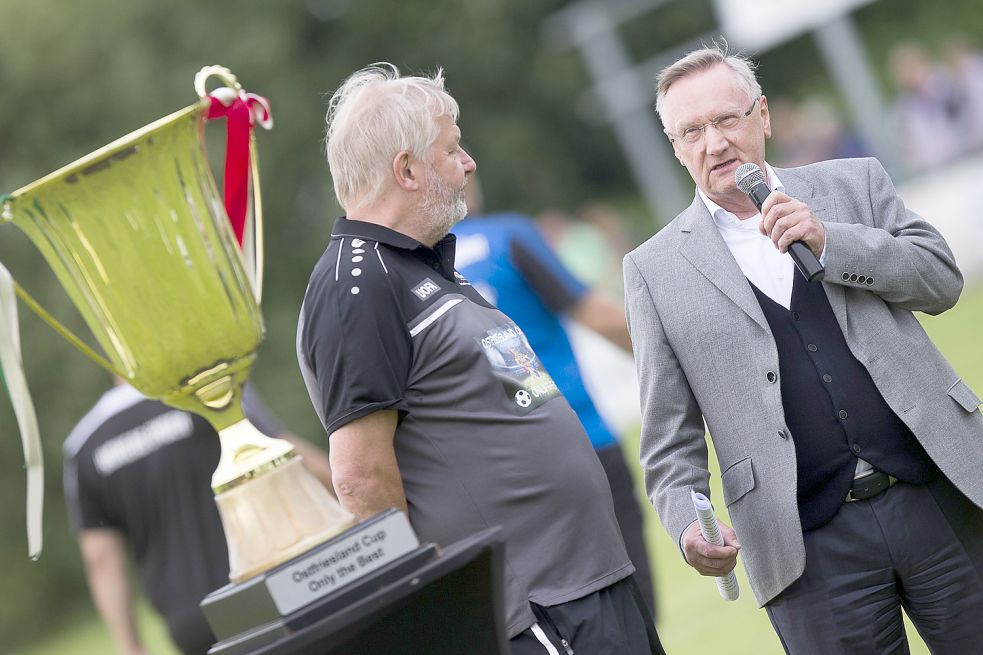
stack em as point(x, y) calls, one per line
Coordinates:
point(756, 254)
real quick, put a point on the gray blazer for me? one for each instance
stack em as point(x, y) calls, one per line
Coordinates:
point(704, 351)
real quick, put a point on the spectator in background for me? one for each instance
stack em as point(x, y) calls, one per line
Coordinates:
point(138, 481)
point(509, 262)
point(812, 130)
point(926, 108)
point(966, 67)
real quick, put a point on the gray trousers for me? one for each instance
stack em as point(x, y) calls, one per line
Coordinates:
point(919, 547)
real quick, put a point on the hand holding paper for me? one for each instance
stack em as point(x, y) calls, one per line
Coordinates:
point(707, 520)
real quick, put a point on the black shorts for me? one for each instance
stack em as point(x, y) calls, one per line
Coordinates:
point(611, 621)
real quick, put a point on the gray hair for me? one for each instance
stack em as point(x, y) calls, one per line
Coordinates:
point(374, 115)
point(699, 61)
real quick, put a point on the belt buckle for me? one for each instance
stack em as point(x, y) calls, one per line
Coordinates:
point(868, 486)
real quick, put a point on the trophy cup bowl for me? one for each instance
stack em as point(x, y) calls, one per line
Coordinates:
point(138, 236)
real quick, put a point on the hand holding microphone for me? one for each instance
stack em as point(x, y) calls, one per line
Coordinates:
point(793, 225)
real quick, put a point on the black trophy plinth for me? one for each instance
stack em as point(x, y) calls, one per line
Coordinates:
point(397, 598)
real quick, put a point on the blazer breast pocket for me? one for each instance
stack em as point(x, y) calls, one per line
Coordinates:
point(962, 394)
point(737, 480)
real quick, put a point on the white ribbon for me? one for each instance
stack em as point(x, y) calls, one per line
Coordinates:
point(258, 105)
point(20, 398)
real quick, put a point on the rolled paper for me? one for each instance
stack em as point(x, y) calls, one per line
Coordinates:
point(726, 584)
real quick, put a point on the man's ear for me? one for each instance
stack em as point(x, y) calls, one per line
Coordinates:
point(405, 172)
point(765, 117)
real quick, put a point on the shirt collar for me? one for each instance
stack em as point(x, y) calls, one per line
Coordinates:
point(442, 253)
point(724, 218)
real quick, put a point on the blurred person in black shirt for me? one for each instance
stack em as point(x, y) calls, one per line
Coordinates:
point(138, 483)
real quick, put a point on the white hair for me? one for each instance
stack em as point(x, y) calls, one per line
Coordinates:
point(374, 115)
point(699, 61)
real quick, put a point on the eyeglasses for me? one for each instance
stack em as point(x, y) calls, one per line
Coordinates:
point(726, 123)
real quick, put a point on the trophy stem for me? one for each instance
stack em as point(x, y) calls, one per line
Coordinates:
point(247, 453)
point(272, 508)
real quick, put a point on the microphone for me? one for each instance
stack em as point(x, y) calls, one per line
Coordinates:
point(751, 180)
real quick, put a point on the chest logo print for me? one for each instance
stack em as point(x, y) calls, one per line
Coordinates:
point(425, 289)
point(513, 362)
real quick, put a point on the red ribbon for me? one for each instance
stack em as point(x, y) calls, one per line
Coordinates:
point(242, 113)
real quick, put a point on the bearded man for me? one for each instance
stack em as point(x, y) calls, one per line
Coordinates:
point(432, 399)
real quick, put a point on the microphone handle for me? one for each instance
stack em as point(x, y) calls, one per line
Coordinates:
point(805, 261)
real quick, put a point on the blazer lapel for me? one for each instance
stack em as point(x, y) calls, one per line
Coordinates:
point(705, 249)
point(824, 207)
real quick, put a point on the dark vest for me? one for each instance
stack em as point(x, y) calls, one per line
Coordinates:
point(832, 407)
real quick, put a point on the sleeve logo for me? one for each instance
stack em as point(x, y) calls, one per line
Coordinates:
point(425, 289)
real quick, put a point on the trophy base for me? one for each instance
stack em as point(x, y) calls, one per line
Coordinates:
point(271, 606)
point(447, 604)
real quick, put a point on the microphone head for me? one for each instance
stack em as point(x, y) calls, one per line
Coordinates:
point(748, 176)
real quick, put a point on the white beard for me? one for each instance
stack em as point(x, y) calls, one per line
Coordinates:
point(442, 206)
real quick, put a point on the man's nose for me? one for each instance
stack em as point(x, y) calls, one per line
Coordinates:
point(470, 165)
point(714, 140)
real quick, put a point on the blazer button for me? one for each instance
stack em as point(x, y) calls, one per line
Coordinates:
point(870, 281)
point(853, 278)
point(783, 434)
point(771, 376)
point(862, 279)
point(845, 277)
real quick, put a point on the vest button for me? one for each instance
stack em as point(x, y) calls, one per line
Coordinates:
point(795, 316)
point(812, 347)
point(771, 376)
point(842, 414)
point(827, 378)
point(845, 277)
point(856, 448)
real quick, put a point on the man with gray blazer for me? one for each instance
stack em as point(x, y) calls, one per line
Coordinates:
point(851, 452)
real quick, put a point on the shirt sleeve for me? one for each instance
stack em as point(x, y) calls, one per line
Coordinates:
point(85, 509)
point(539, 265)
point(353, 341)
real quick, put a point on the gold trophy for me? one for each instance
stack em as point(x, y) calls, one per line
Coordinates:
point(138, 236)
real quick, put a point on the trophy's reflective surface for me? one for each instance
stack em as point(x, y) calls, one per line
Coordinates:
point(137, 235)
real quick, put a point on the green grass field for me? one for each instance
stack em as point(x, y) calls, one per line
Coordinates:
point(692, 618)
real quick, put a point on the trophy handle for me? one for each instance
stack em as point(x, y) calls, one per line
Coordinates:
point(221, 72)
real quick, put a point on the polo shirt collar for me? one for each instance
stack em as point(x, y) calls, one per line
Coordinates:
point(442, 253)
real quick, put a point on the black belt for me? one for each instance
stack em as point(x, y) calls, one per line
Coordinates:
point(869, 486)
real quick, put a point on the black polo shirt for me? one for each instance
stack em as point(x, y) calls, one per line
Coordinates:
point(484, 437)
